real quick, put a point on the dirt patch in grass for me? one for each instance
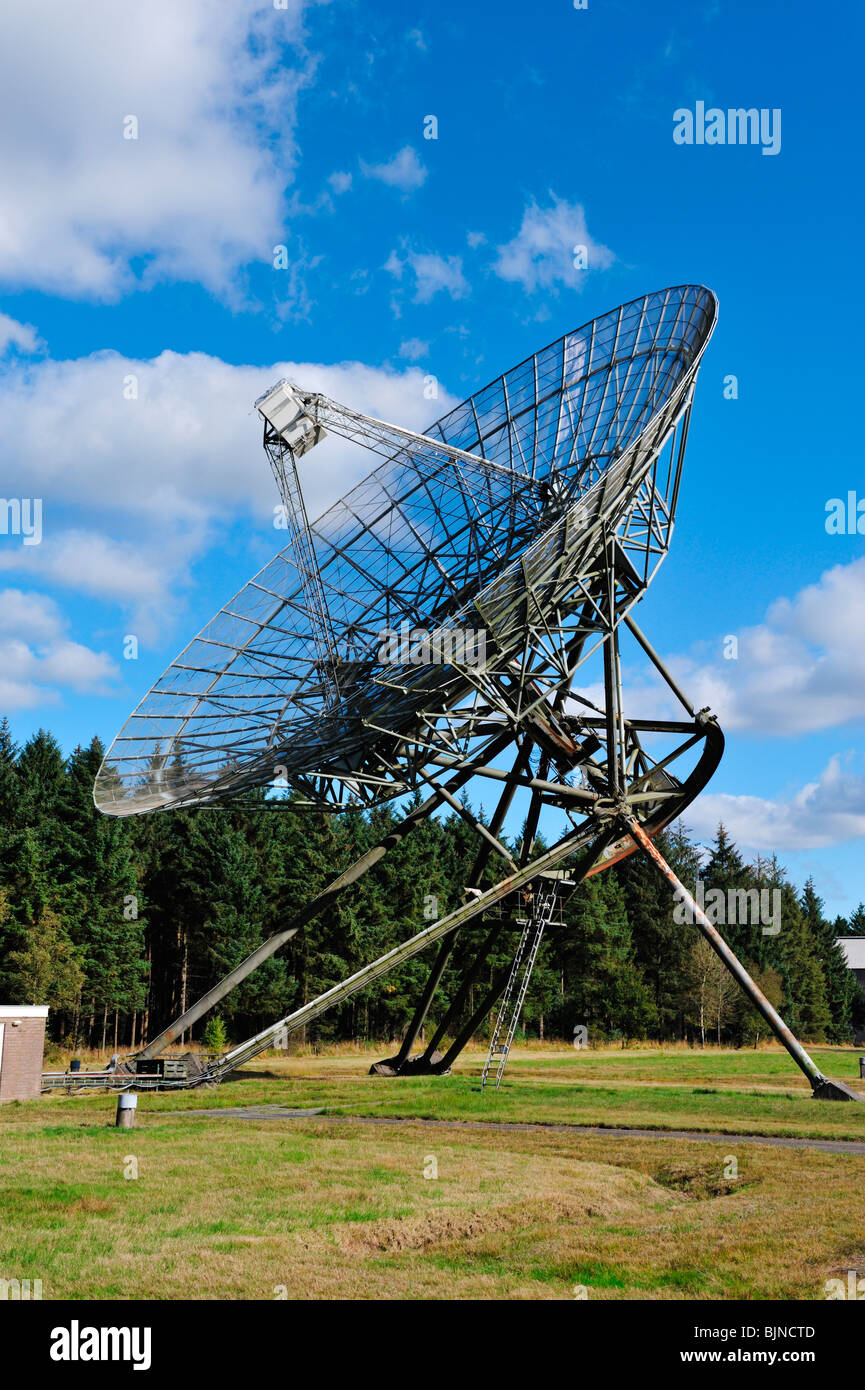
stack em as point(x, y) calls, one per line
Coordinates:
point(435, 1229)
point(700, 1180)
point(93, 1205)
point(607, 1193)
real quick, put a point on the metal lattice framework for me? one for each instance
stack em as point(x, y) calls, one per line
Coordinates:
point(499, 519)
point(536, 514)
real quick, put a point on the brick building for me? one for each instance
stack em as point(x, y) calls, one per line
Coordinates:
point(22, 1044)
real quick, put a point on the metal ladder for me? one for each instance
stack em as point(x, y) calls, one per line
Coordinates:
point(513, 998)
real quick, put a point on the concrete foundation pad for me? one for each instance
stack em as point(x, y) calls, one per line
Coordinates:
point(836, 1090)
point(412, 1066)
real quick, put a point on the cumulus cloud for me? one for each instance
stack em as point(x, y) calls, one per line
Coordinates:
point(144, 581)
point(543, 252)
point(20, 336)
point(175, 438)
point(414, 349)
point(405, 171)
point(210, 92)
point(431, 274)
point(150, 460)
point(33, 614)
point(828, 811)
point(37, 656)
point(340, 181)
point(801, 670)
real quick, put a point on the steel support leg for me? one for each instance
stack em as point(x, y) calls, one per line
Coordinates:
point(821, 1085)
point(392, 1066)
point(464, 1036)
point(462, 993)
point(587, 859)
point(456, 1005)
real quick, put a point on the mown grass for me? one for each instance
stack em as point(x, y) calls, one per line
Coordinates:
point(728, 1091)
point(262, 1208)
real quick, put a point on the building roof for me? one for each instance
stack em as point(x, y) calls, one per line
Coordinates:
point(854, 950)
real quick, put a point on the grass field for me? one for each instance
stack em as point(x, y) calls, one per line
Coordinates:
point(265, 1207)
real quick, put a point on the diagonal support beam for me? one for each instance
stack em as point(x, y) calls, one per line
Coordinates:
point(311, 910)
point(245, 1051)
point(823, 1088)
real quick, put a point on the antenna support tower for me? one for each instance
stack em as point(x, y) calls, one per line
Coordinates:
point(536, 515)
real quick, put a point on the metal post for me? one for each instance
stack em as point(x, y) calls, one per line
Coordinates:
point(658, 664)
point(500, 979)
point(612, 721)
point(462, 994)
point(126, 1104)
point(456, 1005)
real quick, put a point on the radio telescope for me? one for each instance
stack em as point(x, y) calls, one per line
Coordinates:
point(434, 626)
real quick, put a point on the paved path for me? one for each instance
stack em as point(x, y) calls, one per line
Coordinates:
point(282, 1112)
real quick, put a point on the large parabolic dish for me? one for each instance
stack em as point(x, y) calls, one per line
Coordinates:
point(498, 519)
point(533, 517)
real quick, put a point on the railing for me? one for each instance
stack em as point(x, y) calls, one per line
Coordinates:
point(109, 1080)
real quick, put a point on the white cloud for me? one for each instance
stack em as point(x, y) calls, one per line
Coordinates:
point(188, 449)
point(414, 349)
point(829, 811)
point(404, 171)
point(36, 655)
point(21, 336)
point(340, 181)
point(799, 671)
point(432, 273)
point(94, 564)
point(35, 615)
point(145, 583)
point(135, 491)
point(198, 194)
point(542, 253)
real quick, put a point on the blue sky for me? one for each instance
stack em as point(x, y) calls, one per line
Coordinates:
point(151, 260)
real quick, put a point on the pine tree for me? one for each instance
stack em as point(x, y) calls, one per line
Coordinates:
point(661, 945)
point(727, 875)
point(87, 901)
point(749, 1022)
point(48, 969)
point(839, 980)
point(856, 921)
point(8, 788)
point(795, 957)
point(99, 895)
